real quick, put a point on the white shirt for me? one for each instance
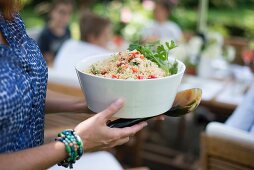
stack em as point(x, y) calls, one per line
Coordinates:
point(69, 55)
point(163, 31)
point(72, 52)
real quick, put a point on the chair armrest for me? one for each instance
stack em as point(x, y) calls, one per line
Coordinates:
point(223, 131)
point(218, 149)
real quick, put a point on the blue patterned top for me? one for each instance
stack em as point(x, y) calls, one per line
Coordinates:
point(23, 81)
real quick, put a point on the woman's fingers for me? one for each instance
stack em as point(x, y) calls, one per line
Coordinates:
point(112, 109)
point(121, 141)
point(160, 117)
point(124, 134)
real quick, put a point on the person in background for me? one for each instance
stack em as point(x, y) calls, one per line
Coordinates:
point(56, 32)
point(243, 117)
point(161, 28)
point(95, 34)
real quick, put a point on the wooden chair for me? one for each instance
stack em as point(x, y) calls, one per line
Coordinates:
point(226, 149)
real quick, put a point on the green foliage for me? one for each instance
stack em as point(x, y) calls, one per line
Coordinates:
point(110, 10)
point(158, 53)
point(224, 16)
point(31, 18)
point(186, 18)
point(228, 20)
point(130, 30)
point(26, 2)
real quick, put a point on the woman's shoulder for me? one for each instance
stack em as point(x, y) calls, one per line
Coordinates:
point(14, 29)
point(173, 25)
point(17, 22)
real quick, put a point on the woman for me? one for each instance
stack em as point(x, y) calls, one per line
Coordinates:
point(161, 28)
point(23, 79)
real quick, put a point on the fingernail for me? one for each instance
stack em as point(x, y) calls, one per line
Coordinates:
point(119, 102)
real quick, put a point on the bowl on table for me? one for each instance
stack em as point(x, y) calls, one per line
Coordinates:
point(142, 98)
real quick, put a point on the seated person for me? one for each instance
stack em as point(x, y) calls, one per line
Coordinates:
point(95, 35)
point(161, 28)
point(56, 32)
point(243, 116)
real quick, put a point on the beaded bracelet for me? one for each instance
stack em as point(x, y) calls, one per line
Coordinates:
point(73, 146)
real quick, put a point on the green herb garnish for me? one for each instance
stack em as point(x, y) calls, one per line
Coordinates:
point(135, 63)
point(94, 70)
point(119, 69)
point(158, 54)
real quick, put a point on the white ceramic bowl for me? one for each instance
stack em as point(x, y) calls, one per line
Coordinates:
point(142, 98)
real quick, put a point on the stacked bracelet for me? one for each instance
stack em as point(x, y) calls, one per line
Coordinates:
point(73, 146)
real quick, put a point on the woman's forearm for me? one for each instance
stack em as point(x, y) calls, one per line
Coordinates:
point(41, 157)
point(56, 102)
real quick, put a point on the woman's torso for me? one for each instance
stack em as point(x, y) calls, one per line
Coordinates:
point(163, 31)
point(23, 79)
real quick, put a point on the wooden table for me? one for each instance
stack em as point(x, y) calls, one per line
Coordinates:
point(212, 91)
point(220, 108)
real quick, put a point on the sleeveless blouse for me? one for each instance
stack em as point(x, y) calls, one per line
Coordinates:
point(23, 81)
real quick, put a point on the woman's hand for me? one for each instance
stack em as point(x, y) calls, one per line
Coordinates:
point(97, 135)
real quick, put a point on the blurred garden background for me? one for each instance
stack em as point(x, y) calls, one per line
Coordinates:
point(229, 17)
